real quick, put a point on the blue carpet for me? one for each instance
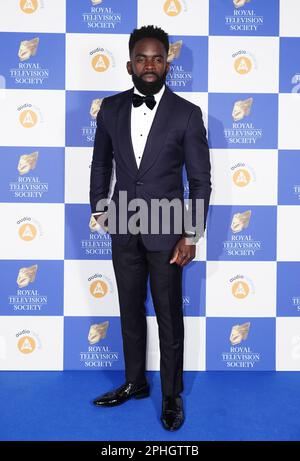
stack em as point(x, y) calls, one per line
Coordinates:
point(219, 406)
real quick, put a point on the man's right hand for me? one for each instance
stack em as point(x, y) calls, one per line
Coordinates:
point(101, 218)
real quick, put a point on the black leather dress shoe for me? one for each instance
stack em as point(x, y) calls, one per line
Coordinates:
point(172, 416)
point(123, 393)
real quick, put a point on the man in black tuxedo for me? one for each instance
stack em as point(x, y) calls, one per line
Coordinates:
point(150, 133)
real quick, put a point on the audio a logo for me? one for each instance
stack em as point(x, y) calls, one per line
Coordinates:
point(100, 61)
point(240, 287)
point(100, 285)
point(28, 116)
point(29, 6)
point(28, 342)
point(172, 7)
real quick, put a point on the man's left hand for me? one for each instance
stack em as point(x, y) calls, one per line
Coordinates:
point(184, 252)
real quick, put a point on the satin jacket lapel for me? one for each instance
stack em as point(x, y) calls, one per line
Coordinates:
point(124, 134)
point(155, 139)
point(157, 133)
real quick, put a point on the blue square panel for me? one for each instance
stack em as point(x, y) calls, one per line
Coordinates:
point(80, 241)
point(30, 174)
point(289, 69)
point(244, 17)
point(82, 108)
point(101, 17)
point(289, 177)
point(243, 121)
point(93, 343)
point(241, 233)
point(188, 57)
point(239, 344)
point(31, 287)
point(33, 60)
point(288, 289)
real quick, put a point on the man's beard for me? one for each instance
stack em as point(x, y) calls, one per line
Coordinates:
point(147, 88)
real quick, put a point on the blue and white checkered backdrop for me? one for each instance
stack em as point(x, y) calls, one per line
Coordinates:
point(239, 61)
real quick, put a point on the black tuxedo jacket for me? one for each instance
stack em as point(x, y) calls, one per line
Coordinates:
point(177, 137)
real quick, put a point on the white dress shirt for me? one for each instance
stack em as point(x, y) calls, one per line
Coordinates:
point(141, 122)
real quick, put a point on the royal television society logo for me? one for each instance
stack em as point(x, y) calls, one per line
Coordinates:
point(240, 3)
point(27, 299)
point(240, 356)
point(239, 333)
point(97, 332)
point(28, 70)
point(29, 116)
point(177, 76)
point(242, 131)
point(100, 16)
point(240, 221)
point(29, 229)
point(241, 286)
point(97, 355)
point(101, 59)
point(28, 48)
point(296, 191)
point(295, 302)
point(242, 174)
point(26, 185)
point(28, 342)
point(88, 131)
point(100, 285)
point(241, 243)
point(244, 62)
point(243, 17)
point(99, 241)
point(174, 7)
point(296, 83)
point(30, 6)
point(26, 275)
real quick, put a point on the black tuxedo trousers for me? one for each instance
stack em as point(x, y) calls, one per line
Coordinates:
point(133, 265)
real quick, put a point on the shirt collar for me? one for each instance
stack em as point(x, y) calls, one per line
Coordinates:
point(157, 96)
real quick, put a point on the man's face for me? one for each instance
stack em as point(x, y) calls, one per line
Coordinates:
point(148, 65)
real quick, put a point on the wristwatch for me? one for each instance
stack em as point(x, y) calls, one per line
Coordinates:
point(192, 236)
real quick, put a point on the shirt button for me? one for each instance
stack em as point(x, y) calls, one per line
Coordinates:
point(141, 135)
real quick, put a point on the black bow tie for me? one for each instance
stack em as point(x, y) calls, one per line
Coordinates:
point(138, 100)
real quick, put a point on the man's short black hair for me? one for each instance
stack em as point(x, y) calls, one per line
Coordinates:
point(149, 32)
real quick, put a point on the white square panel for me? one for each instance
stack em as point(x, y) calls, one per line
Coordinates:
point(288, 121)
point(289, 18)
point(97, 62)
point(32, 231)
point(32, 118)
point(176, 17)
point(201, 248)
point(31, 343)
point(288, 241)
point(90, 289)
point(77, 175)
point(33, 16)
point(243, 64)
point(241, 289)
point(287, 344)
point(244, 176)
